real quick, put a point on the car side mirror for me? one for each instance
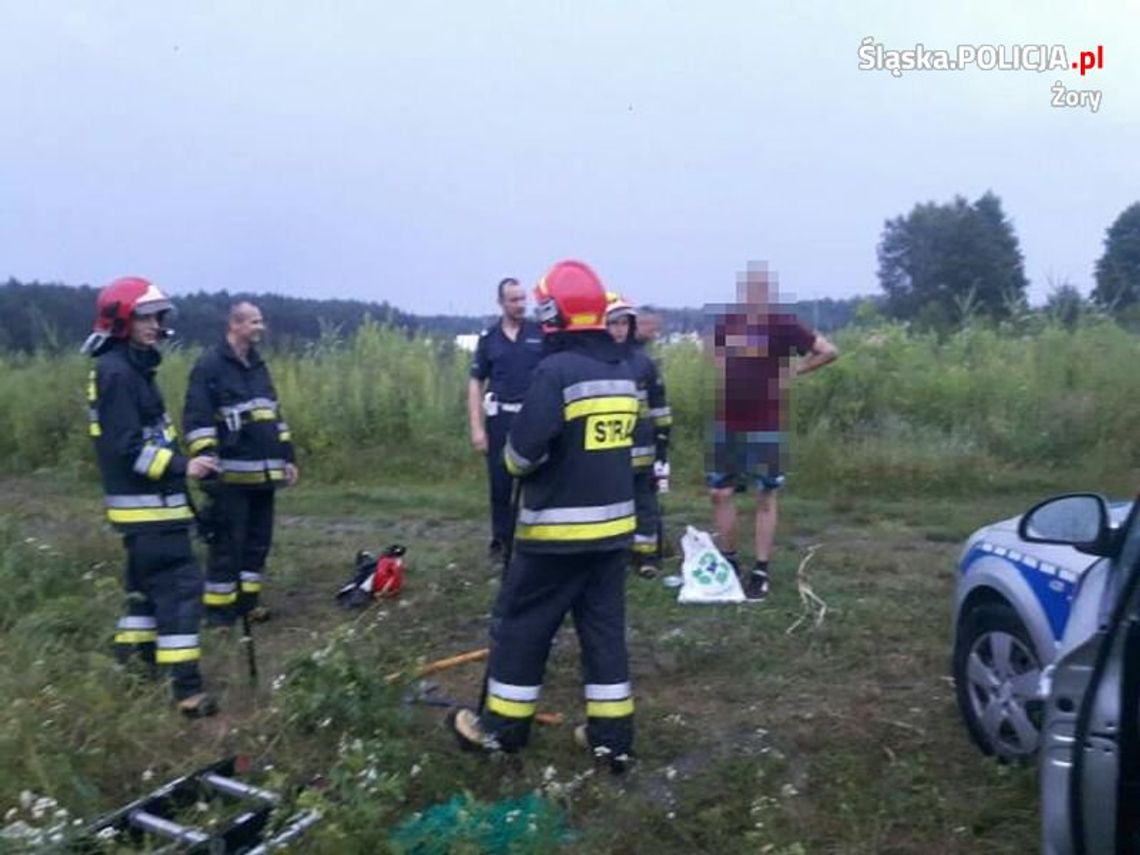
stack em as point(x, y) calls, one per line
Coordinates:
point(1079, 520)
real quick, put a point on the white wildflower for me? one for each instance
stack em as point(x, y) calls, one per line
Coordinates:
point(670, 773)
point(27, 798)
point(148, 774)
point(414, 771)
point(549, 773)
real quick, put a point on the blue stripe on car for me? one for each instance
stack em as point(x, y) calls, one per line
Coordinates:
point(1053, 587)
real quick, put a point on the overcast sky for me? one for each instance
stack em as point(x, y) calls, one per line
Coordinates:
point(418, 152)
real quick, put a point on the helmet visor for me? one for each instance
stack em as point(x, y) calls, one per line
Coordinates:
point(153, 307)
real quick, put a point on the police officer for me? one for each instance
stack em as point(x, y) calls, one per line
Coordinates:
point(505, 358)
point(650, 438)
point(232, 412)
point(144, 485)
point(570, 444)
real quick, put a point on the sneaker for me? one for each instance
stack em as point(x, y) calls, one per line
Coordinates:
point(756, 587)
point(618, 764)
point(200, 705)
point(647, 570)
point(469, 731)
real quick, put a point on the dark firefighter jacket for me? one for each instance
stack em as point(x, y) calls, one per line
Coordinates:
point(571, 445)
point(232, 411)
point(654, 418)
point(144, 475)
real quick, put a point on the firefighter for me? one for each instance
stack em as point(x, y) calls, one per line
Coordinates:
point(144, 482)
point(570, 444)
point(232, 412)
point(650, 438)
point(505, 358)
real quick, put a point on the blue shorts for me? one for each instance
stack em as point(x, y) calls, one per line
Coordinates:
point(740, 456)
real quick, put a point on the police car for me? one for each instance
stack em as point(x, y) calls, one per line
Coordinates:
point(1020, 605)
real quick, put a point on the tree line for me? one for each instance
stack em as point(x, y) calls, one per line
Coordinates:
point(944, 264)
point(56, 317)
point(940, 266)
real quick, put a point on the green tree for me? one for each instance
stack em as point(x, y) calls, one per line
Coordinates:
point(942, 262)
point(1118, 270)
point(1065, 304)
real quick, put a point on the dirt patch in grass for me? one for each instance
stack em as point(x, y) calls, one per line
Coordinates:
point(841, 737)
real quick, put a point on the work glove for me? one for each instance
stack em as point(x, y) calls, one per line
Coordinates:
point(661, 473)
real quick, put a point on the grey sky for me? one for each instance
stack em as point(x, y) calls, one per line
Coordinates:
point(419, 152)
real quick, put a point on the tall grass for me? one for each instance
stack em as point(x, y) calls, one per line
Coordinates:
point(898, 410)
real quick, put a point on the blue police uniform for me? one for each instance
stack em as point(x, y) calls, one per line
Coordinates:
point(507, 366)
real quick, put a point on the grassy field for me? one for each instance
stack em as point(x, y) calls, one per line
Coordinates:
point(753, 737)
point(757, 732)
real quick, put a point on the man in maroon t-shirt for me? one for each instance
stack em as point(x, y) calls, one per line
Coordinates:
point(753, 342)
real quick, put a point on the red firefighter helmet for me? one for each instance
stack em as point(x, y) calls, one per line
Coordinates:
point(117, 304)
point(571, 298)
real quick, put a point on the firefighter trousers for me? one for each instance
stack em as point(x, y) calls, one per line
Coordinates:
point(648, 514)
point(239, 531)
point(164, 607)
point(500, 481)
point(538, 591)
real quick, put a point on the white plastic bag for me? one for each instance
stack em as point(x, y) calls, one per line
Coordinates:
point(708, 577)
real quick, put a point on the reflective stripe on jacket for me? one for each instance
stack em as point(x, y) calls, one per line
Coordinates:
point(232, 411)
point(651, 436)
point(142, 469)
point(571, 445)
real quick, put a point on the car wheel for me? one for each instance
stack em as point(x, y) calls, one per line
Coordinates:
point(996, 676)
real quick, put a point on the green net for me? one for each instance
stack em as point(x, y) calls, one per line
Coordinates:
point(466, 825)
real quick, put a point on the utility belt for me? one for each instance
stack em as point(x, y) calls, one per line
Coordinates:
point(255, 410)
point(492, 406)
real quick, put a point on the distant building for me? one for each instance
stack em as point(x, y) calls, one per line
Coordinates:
point(467, 341)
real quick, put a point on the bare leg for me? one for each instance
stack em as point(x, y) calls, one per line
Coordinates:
point(765, 524)
point(724, 518)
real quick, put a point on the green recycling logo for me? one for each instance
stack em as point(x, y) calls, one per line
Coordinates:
point(710, 570)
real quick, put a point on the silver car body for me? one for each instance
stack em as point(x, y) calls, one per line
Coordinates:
point(1055, 590)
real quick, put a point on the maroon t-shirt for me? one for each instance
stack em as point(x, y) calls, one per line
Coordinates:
point(755, 351)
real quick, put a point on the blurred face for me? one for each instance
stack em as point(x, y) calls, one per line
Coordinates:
point(145, 330)
point(619, 329)
point(513, 302)
point(248, 327)
point(752, 291)
point(647, 324)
